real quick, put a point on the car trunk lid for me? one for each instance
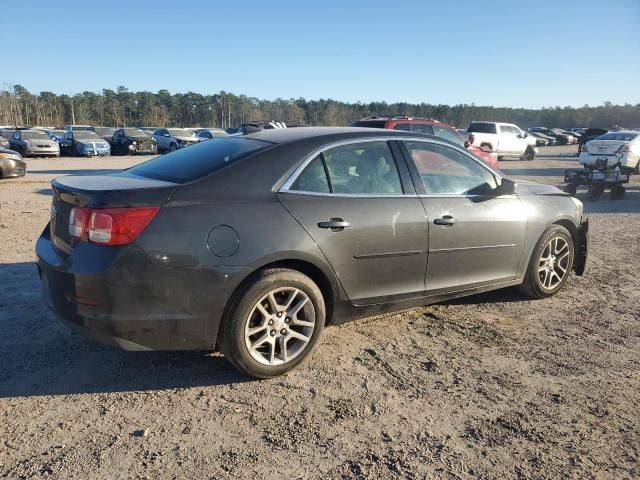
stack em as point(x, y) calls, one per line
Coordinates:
point(100, 191)
point(605, 147)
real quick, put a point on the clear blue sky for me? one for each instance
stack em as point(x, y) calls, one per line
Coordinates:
point(501, 53)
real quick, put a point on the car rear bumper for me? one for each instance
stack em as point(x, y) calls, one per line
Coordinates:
point(118, 296)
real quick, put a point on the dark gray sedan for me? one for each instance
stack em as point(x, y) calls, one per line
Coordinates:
point(254, 243)
point(12, 165)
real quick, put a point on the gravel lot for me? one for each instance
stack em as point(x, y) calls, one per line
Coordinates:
point(492, 386)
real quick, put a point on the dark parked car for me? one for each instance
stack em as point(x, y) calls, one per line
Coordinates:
point(105, 133)
point(11, 164)
point(254, 243)
point(83, 143)
point(129, 141)
point(561, 138)
point(590, 134)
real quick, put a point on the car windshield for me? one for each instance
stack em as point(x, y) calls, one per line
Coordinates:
point(82, 135)
point(179, 132)
point(198, 160)
point(105, 130)
point(482, 128)
point(134, 132)
point(35, 135)
point(620, 136)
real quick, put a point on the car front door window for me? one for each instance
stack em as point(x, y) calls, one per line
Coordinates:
point(446, 171)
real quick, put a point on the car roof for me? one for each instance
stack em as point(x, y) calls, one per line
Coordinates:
point(286, 135)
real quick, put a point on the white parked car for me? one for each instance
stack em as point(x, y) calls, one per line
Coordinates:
point(506, 139)
point(170, 139)
point(623, 146)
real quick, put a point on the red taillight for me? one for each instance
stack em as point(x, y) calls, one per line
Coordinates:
point(110, 226)
point(78, 220)
point(624, 148)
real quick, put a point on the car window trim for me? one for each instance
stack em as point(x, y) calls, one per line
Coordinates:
point(406, 181)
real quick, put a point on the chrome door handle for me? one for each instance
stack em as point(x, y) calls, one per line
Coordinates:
point(334, 224)
point(445, 220)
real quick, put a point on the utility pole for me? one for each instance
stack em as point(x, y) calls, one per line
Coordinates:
point(73, 113)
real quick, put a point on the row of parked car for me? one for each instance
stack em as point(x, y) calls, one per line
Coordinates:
point(87, 141)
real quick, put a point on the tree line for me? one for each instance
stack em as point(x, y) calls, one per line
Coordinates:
point(125, 108)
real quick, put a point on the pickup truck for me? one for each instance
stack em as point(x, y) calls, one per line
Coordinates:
point(505, 139)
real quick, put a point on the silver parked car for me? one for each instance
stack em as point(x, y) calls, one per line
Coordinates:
point(171, 139)
point(33, 143)
point(11, 164)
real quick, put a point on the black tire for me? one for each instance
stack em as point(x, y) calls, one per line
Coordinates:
point(173, 147)
point(231, 338)
point(594, 192)
point(532, 286)
point(617, 192)
point(529, 154)
point(571, 189)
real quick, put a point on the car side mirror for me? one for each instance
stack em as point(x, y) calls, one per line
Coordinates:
point(506, 187)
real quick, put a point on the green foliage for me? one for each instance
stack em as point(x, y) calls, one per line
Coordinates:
point(124, 108)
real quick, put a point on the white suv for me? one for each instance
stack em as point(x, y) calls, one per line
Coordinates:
point(506, 139)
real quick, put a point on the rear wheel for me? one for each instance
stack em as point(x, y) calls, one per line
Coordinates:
point(550, 263)
point(273, 323)
point(529, 154)
point(571, 189)
point(617, 192)
point(595, 191)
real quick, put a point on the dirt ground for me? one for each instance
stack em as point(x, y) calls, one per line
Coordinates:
point(489, 387)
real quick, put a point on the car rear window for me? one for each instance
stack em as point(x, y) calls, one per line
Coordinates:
point(370, 123)
point(190, 163)
point(482, 128)
point(623, 137)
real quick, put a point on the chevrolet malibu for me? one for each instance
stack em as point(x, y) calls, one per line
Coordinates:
point(254, 243)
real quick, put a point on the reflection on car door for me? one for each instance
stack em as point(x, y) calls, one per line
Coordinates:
point(475, 236)
point(353, 202)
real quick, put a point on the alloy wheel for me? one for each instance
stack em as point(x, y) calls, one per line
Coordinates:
point(280, 326)
point(553, 263)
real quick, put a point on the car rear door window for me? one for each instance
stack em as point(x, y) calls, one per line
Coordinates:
point(363, 168)
point(480, 127)
point(358, 168)
point(446, 171)
point(402, 126)
point(448, 134)
point(422, 128)
point(313, 179)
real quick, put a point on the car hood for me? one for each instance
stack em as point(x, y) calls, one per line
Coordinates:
point(541, 188)
point(140, 137)
point(185, 138)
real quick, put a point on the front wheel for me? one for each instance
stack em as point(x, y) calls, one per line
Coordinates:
point(173, 147)
point(550, 263)
point(273, 323)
